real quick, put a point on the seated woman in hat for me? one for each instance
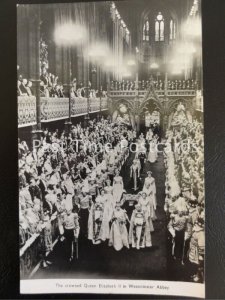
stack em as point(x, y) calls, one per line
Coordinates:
point(118, 237)
point(139, 233)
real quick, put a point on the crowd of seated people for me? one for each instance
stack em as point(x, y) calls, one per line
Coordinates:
point(184, 203)
point(127, 85)
point(50, 87)
point(53, 175)
point(122, 85)
point(78, 90)
point(189, 84)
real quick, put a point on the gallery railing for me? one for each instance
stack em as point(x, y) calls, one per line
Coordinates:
point(26, 111)
point(159, 93)
point(53, 109)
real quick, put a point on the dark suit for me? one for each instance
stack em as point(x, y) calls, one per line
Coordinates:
point(35, 192)
point(43, 188)
point(23, 89)
point(45, 79)
point(142, 157)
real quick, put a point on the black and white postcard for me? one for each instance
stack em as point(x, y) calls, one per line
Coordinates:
point(111, 148)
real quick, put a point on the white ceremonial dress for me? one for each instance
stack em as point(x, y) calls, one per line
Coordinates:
point(110, 203)
point(150, 188)
point(147, 208)
point(118, 237)
point(117, 188)
point(149, 135)
point(139, 233)
point(135, 171)
point(98, 221)
point(152, 155)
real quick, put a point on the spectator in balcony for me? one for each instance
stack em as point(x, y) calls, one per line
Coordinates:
point(93, 93)
point(23, 87)
point(112, 85)
point(60, 90)
point(44, 76)
point(104, 93)
point(44, 92)
point(19, 93)
point(81, 91)
point(52, 91)
point(51, 79)
point(20, 78)
point(73, 91)
point(132, 86)
point(29, 88)
point(74, 83)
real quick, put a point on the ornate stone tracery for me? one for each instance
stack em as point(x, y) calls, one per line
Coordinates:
point(165, 105)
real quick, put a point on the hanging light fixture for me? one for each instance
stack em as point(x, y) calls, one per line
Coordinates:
point(154, 66)
point(69, 33)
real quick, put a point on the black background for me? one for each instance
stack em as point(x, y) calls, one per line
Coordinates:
point(213, 18)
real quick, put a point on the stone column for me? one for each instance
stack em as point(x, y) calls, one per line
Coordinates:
point(94, 80)
point(34, 64)
point(166, 85)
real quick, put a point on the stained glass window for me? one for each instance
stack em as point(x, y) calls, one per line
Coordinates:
point(159, 28)
point(172, 30)
point(146, 31)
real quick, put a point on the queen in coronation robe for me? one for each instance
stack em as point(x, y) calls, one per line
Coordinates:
point(118, 237)
point(150, 188)
point(98, 221)
point(139, 232)
point(147, 207)
point(118, 187)
point(152, 154)
point(135, 170)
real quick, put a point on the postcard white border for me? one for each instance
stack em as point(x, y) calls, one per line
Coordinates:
point(111, 286)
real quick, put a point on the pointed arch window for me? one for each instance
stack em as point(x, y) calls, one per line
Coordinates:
point(146, 31)
point(172, 30)
point(159, 28)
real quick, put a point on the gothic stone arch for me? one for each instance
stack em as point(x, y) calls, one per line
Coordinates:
point(130, 104)
point(157, 105)
point(116, 103)
point(172, 104)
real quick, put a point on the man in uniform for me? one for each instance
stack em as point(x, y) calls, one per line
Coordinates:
point(197, 250)
point(178, 229)
point(111, 172)
point(71, 231)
